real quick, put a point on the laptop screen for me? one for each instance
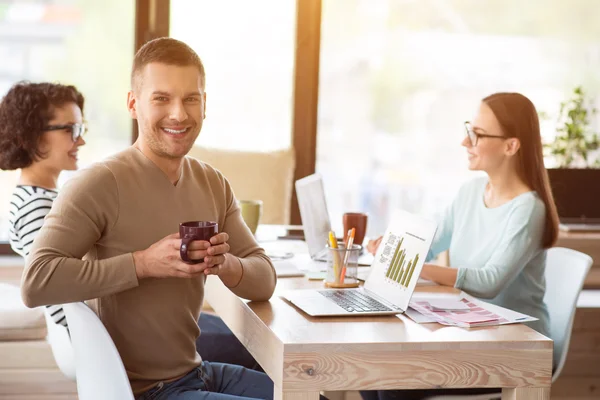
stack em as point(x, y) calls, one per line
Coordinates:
point(400, 257)
point(576, 193)
point(314, 213)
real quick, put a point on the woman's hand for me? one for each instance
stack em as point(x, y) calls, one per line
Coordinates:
point(373, 245)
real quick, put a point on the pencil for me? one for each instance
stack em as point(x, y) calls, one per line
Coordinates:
point(351, 234)
point(336, 257)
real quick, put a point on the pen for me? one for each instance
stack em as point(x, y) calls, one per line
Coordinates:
point(336, 257)
point(351, 234)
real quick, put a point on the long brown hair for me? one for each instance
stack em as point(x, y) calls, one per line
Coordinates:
point(519, 119)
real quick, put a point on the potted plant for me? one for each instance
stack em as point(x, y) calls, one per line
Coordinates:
point(575, 145)
point(575, 180)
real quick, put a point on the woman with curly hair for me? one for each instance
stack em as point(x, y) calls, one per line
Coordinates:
point(41, 128)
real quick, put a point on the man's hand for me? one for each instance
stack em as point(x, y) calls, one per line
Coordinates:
point(219, 262)
point(373, 245)
point(214, 257)
point(162, 259)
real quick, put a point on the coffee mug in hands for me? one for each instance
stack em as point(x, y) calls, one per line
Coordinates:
point(358, 221)
point(251, 213)
point(195, 230)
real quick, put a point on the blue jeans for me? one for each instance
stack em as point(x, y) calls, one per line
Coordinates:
point(217, 343)
point(214, 381)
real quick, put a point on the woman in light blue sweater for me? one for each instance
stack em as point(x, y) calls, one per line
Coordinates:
point(498, 227)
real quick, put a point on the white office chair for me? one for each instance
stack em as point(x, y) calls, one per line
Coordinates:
point(60, 343)
point(566, 270)
point(100, 371)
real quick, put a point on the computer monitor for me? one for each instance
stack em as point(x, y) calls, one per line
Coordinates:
point(315, 216)
point(576, 194)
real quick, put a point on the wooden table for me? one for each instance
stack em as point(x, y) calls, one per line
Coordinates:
point(304, 355)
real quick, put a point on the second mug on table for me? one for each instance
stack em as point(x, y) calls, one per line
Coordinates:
point(251, 213)
point(358, 221)
point(195, 230)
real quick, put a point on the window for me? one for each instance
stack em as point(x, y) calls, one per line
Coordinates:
point(398, 78)
point(85, 43)
point(247, 48)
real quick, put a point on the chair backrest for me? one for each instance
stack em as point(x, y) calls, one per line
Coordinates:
point(566, 270)
point(266, 176)
point(61, 346)
point(100, 371)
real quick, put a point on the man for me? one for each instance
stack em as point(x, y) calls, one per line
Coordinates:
point(122, 215)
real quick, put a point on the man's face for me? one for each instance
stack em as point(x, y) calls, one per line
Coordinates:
point(169, 103)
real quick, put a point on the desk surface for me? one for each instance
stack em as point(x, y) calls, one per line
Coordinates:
point(304, 355)
point(295, 328)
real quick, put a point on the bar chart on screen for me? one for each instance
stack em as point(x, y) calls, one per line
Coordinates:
point(401, 268)
point(401, 254)
point(399, 259)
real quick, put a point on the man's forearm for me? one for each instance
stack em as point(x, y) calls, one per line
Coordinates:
point(256, 280)
point(50, 278)
point(232, 271)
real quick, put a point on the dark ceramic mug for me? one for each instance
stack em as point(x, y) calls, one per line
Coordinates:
point(192, 231)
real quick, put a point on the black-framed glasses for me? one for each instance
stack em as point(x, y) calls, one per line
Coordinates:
point(474, 136)
point(77, 130)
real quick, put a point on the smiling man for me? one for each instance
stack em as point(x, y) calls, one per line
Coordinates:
point(111, 237)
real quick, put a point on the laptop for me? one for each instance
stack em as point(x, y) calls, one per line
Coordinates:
point(577, 197)
point(392, 279)
point(315, 219)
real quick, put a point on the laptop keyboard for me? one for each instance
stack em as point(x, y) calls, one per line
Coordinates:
point(354, 301)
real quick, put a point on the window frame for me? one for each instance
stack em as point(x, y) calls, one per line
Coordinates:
point(152, 21)
point(306, 93)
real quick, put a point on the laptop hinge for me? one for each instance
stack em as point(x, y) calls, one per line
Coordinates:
point(382, 300)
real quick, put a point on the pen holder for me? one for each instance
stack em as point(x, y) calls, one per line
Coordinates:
point(342, 266)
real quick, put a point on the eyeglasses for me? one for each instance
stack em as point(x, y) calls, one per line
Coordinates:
point(76, 130)
point(474, 136)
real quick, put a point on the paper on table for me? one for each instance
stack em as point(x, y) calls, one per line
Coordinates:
point(303, 262)
point(316, 275)
point(285, 268)
point(511, 316)
point(428, 295)
point(293, 246)
point(487, 314)
point(476, 317)
point(420, 318)
point(417, 316)
point(448, 305)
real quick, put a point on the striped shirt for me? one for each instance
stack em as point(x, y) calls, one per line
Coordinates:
point(29, 206)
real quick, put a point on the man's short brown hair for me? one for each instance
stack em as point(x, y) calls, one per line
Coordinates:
point(166, 51)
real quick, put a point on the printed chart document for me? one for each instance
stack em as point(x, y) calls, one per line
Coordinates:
point(418, 317)
point(471, 313)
